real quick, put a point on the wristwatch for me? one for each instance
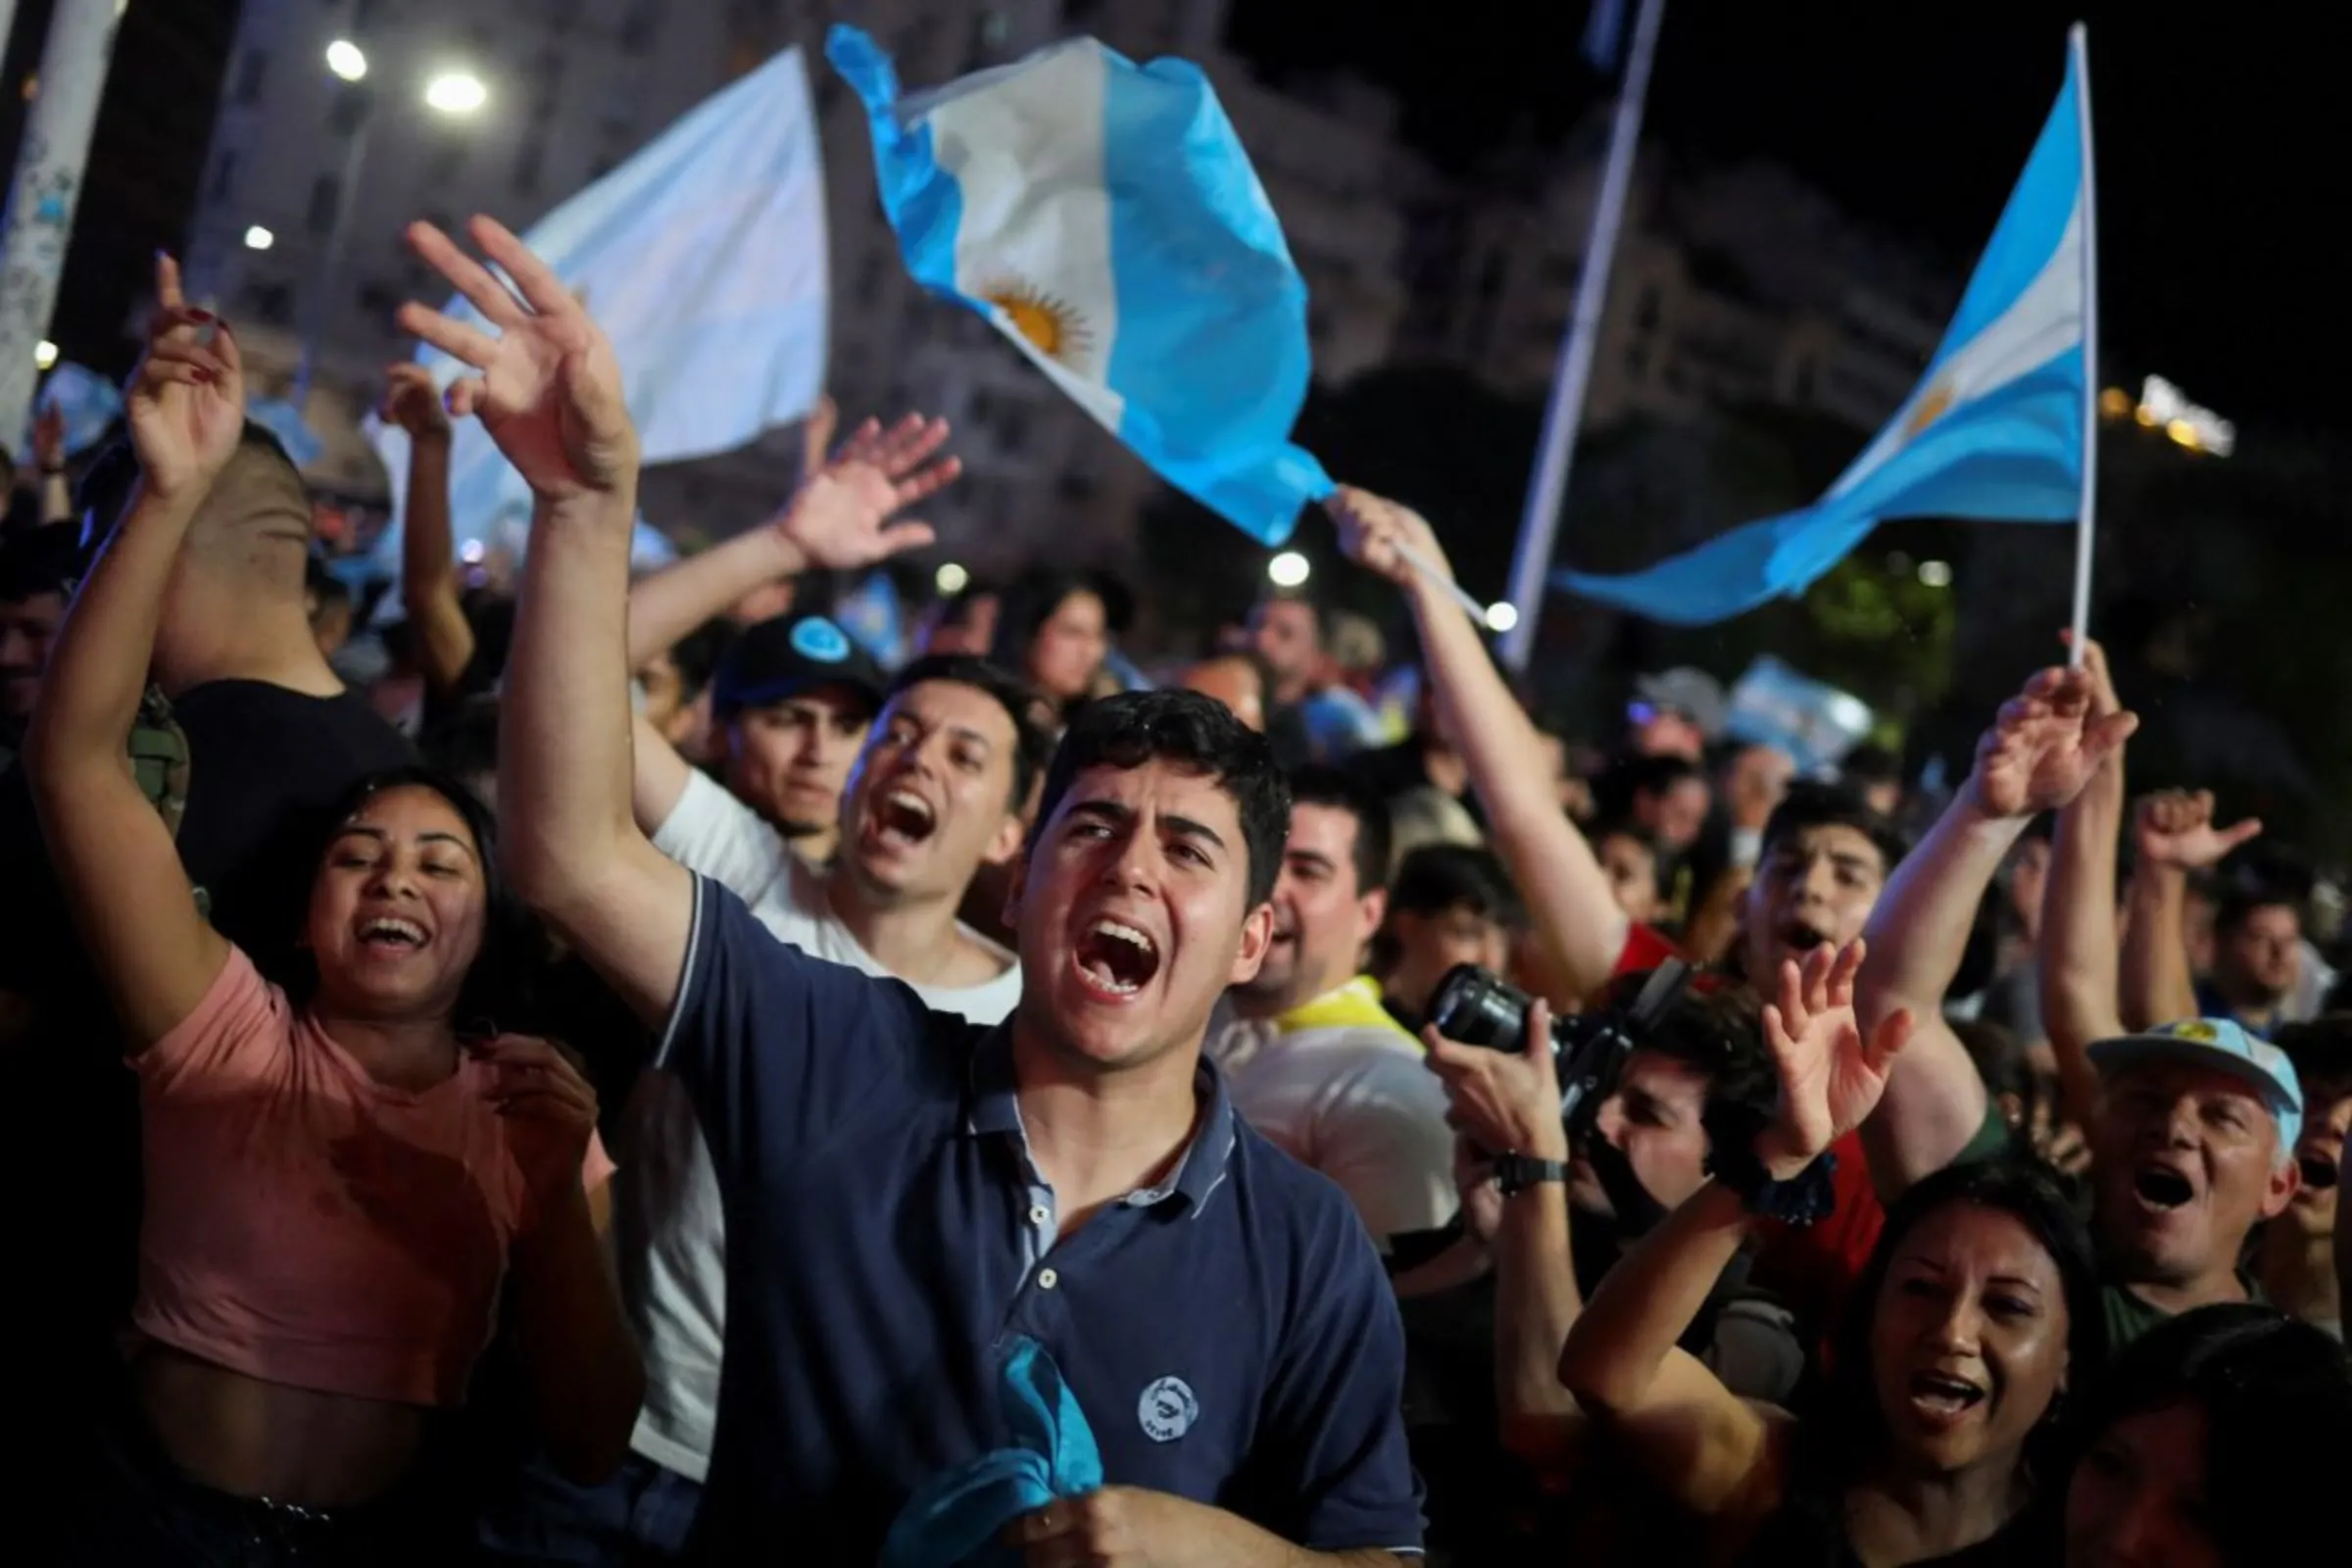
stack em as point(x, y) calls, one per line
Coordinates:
point(1805, 1199)
point(1515, 1173)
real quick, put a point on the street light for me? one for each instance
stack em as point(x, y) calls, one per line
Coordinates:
point(456, 92)
point(1501, 615)
point(1935, 574)
point(1288, 570)
point(44, 354)
point(950, 578)
point(452, 92)
point(258, 238)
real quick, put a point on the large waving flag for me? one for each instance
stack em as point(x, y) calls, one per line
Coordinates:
point(1103, 217)
point(1995, 429)
point(703, 257)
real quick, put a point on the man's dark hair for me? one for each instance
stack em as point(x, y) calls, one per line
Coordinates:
point(1615, 792)
point(1186, 731)
point(2276, 1399)
point(1318, 784)
point(1031, 744)
point(2238, 902)
point(1438, 877)
point(1811, 805)
point(1869, 764)
point(1716, 1031)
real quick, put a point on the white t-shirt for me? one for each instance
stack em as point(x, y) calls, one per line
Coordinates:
point(668, 1226)
point(1353, 1101)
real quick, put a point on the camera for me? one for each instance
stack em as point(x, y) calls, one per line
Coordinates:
point(1480, 1008)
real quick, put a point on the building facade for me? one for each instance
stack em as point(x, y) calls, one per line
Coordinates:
point(1713, 300)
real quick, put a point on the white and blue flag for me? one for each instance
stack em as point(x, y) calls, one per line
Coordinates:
point(1994, 430)
point(1104, 218)
point(702, 258)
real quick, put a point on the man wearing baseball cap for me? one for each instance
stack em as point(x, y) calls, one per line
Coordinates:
point(790, 705)
point(2194, 1143)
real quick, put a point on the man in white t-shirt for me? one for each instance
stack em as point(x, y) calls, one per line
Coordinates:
point(934, 794)
point(1311, 1058)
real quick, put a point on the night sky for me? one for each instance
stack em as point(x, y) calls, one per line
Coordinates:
point(2219, 145)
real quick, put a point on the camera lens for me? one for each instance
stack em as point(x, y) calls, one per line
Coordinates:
point(1478, 1008)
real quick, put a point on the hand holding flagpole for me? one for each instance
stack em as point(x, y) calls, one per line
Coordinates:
point(1398, 543)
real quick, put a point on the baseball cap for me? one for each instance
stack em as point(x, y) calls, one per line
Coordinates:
point(788, 655)
point(2218, 1044)
point(1693, 692)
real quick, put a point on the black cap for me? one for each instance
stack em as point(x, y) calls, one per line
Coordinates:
point(788, 655)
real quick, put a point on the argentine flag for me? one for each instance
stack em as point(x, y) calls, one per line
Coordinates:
point(702, 258)
point(1994, 430)
point(1102, 215)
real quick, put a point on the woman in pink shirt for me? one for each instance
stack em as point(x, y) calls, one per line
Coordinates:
point(341, 1185)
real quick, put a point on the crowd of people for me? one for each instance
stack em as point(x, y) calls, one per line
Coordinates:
point(634, 1080)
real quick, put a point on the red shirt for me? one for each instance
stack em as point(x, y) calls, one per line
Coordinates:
point(1812, 1269)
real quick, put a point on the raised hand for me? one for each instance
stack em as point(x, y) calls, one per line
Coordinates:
point(549, 1112)
point(414, 403)
point(2103, 700)
point(838, 518)
point(549, 389)
point(1375, 534)
point(2045, 744)
point(1831, 1077)
point(185, 403)
point(2175, 829)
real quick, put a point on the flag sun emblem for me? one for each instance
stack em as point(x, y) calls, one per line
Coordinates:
point(1931, 409)
point(1050, 326)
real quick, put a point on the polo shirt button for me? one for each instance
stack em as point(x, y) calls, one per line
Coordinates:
point(1047, 1279)
point(1040, 1215)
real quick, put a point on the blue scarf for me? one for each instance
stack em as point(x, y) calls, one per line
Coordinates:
point(953, 1521)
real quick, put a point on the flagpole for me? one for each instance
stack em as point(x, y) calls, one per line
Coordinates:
point(2078, 41)
point(1538, 525)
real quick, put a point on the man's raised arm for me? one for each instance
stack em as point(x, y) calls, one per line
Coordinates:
point(1567, 893)
point(2043, 748)
point(2078, 957)
point(547, 389)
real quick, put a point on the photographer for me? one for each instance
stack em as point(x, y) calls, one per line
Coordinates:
point(1641, 1151)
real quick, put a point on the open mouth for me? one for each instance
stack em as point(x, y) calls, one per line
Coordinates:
point(2320, 1173)
point(2162, 1187)
point(904, 818)
point(1116, 959)
point(1939, 1395)
point(1798, 936)
point(391, 934)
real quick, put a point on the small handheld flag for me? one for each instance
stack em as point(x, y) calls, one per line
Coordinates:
point(1997, 428)
point(1103, 217)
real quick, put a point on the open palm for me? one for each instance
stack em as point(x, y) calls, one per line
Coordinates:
point(2175, 829)
point(1831, 1077)
point(547, 388)
point(841, 517)
point(185, 403)
point(2045, 744)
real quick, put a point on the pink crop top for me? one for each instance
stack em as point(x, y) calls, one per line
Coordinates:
point(309, 1226)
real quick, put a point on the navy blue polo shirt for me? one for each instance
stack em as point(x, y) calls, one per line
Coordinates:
point(1230, 1335)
